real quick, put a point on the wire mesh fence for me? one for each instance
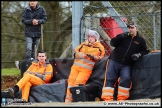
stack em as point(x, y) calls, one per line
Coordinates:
point(97, 15)
point(146, 14)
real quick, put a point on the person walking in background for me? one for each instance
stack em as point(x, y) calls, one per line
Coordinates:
point(85, 57)
point(39, 72)
point(32, 17)
point(128, 48)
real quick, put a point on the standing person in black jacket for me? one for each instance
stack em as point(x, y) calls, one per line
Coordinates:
point(32, 17)
point(128, 47)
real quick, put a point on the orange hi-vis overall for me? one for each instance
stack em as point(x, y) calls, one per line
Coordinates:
point(82, 67)
point(35, 75)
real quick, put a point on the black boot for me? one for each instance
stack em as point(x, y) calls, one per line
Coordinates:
point(13, 91)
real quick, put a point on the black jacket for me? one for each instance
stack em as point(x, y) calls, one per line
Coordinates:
point(27, 17)
point(126, 46)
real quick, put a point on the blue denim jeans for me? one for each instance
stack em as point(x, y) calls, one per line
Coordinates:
point(116, 70)
point(30, 47)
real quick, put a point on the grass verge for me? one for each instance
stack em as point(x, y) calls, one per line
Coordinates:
point(10, 71)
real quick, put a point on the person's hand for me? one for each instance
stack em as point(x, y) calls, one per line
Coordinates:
point(90, 56)
point(136, 56)
point(126, 34)
point(35, 22)
point(85, 55)
point(32, 73)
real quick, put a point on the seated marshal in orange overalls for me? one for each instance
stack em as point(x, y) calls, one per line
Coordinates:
point(85, 57)
point(39, 72)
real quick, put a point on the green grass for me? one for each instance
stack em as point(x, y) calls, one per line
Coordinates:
point(10, 71)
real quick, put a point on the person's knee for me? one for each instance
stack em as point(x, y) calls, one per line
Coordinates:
point(28, 75)
point(125, 82)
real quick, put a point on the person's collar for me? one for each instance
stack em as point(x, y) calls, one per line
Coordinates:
point(93, 43)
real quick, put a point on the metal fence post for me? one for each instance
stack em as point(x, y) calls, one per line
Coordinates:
point(77, 13)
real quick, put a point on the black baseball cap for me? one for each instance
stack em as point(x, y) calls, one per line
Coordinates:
point(132, 24)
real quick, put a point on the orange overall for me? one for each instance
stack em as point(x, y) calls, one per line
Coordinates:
point(35, 75)
point(82, 67)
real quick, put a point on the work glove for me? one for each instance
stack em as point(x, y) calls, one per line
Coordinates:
point(136, 56)
point(90, 56)
point(126, 34)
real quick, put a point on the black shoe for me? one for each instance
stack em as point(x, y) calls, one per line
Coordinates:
point(11, 91)
point(14, 90)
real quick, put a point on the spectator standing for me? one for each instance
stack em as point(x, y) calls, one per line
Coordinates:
point(32, 17)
